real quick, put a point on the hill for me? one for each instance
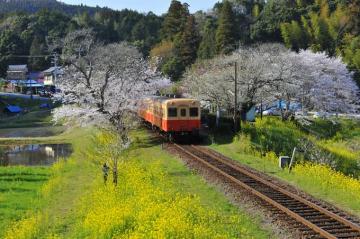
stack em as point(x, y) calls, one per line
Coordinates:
point(33, 6)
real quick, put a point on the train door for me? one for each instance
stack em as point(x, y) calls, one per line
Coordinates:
point(184, 117)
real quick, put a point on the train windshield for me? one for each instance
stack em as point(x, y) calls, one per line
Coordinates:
point(172, 112)
point(194, 112)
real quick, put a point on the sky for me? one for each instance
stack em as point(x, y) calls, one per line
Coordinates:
point(157, 6)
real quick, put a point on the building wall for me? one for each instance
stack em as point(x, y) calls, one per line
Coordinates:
point(16, 75)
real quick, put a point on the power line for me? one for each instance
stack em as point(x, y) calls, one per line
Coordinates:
point(29, 56)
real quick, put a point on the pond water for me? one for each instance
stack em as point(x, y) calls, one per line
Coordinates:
point(33, 154)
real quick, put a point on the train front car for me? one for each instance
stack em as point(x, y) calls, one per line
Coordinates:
point(181, 117)
point(172, 116)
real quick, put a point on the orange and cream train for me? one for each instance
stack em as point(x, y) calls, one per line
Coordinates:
point(174, 116)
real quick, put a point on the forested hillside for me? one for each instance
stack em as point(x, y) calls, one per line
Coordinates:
point(25, 38)
point(33, 6)
point(179, 38)
point(330, 26)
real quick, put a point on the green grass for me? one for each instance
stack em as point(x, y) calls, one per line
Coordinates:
point(309, 183)
point(38, 118)
point(68, 136)
point(67, 196)
point(19, 189)
point(339, 144)
point(31, 132)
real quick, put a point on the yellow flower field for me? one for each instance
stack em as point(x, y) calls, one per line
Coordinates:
point(156, 197)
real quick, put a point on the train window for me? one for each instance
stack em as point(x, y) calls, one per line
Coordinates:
point(183, 112)
point(194, 112)
point(172, 112)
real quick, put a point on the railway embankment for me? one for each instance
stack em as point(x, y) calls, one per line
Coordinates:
point(303, 215)
point(332, 176)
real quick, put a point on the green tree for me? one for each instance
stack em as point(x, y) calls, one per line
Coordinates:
point(10, 46)
point(175, 20)
point(275, 12)
point(173, 68)
point(188, 43)
point(208, 41)
point(293, 35)
point(225, 33)
point(37, 50)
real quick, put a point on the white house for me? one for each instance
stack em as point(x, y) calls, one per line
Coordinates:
point(50, 76)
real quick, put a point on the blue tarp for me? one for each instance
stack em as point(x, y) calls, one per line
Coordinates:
point(45, 105)
point(13, 109)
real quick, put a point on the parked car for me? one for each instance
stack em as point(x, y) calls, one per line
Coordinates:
point(45, 93)
point(272, 111)
point(321, 115)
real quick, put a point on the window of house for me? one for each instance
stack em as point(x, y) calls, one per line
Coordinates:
point(194, 112)
point(172, 112)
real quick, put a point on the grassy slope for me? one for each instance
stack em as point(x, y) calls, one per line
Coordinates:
point(62, 197)
point(309, 183)
point(35, 117)
point(67, 136)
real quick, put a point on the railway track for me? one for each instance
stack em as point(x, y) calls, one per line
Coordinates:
point(316, 220)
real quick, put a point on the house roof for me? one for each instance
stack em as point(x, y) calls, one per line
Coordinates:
point(27, 83)
point(53, 70)
point(18, 68)
point(13, 109)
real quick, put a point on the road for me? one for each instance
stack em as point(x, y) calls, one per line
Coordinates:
point(22, 96)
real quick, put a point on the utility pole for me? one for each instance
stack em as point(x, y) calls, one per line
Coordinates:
point(236, 101)
point(55, 61)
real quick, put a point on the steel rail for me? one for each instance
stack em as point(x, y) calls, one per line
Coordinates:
point(269, 200)
point(277, 188)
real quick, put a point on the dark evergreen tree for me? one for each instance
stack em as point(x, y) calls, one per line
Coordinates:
point(225, 33)
point(188, 44)
point(175, 20)
point(206, 48)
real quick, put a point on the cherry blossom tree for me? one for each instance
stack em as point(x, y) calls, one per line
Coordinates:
point(214, 80)
point(328, 85)
point(270, 72)
point(102, 84)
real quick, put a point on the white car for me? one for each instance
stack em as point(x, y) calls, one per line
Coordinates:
point(272, 111)
point(321, 115)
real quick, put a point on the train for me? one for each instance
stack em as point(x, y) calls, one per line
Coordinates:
point(171, 116)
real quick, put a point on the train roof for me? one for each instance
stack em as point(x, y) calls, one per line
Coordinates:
point(163, 99)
